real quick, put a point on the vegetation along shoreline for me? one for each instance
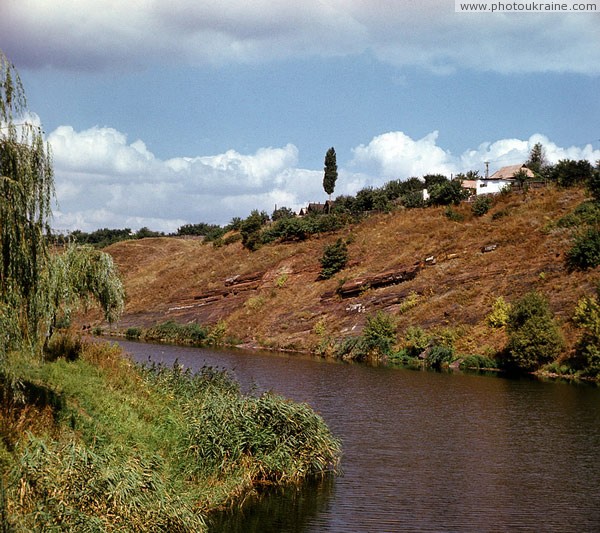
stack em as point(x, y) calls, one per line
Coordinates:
point(420, 272)
point(88, 440)
point(513, 288)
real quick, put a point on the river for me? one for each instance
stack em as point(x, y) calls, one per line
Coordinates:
point(424, 451)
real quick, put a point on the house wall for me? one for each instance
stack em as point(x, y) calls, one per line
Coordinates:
point(491, 186)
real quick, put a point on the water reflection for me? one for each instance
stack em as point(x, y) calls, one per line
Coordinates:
point(427, 451)
point(282, 510)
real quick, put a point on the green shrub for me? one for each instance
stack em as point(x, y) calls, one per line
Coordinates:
point(250, 229)
point(568, 173)
point(586, 213)
point(416, 341)
point(350, 349)
point(478, 362)
point(585, 252)
point(287, 229)
point(594, 182)
point(230, 239)
point(587, 351)
point(411, 301)
point(481, 205)
point(133, 333)
point(453, 215)
point(498, 318)
point(174, 332)
point(379, 335)
point(439, 356)
point(334, 259)
point(216, 334)
point(447, 193)
point(413, 200)
point(534, 339)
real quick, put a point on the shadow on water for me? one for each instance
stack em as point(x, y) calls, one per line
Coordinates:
point(282, 510)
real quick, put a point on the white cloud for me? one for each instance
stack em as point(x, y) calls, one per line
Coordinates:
point(395, 155)
point(111, 34)
point(102, 180)
point(512, 151)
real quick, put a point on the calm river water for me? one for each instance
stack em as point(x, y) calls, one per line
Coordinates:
point(425, 451)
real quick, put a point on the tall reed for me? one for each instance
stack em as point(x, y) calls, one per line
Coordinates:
point(150, 448)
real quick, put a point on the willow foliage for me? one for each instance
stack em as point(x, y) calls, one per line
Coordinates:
point(35, 285)
point(81, 275)
point(26, 187)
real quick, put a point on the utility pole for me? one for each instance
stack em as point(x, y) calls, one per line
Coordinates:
point(487, 169)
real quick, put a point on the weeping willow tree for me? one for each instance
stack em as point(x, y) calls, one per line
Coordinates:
point(26, 183)
point(35, 285)
point(79, 276)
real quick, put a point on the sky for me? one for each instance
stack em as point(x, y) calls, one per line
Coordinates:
point(161, 114)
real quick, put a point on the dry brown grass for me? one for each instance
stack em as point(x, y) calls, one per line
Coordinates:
point(457, 292)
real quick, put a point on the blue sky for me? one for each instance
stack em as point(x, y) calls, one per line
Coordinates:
point(166, 113)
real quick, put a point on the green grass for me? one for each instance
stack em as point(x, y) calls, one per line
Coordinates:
point(144, 449)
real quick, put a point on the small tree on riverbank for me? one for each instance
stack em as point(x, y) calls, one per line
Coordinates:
point(534, 338)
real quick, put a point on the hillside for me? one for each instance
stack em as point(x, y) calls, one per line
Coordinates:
point(271, 297)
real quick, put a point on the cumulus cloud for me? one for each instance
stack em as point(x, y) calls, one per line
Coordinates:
point(101, 176)
point(395, 155)
point(109, 34)
point(103, 180)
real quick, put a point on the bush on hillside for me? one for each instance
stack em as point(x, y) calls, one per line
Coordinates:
point(587, 352)
point(481, 205)
point(585, 252)
point(450, 192)
point(500, 314)
point(593, 184)
point(379, 335)
point(439, 356)
point(250, 229)
point(584, 214)
point(569, 173)
point(416, 341)
point(534, 339)
point(413, 200)
point(334, 259)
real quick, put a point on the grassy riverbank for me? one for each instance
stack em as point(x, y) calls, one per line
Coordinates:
point(99, 444)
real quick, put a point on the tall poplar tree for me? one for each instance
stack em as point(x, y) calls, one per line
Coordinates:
point(331, 174)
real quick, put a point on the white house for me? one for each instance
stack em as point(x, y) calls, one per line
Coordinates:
point(500, 179)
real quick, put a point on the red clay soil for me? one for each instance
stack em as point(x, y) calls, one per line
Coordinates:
point(416, 265)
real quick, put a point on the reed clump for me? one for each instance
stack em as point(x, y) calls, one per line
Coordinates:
point(128, 448)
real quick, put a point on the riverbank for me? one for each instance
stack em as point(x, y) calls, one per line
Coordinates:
point(424, 450)
point(99, 443)
point(417, 267)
